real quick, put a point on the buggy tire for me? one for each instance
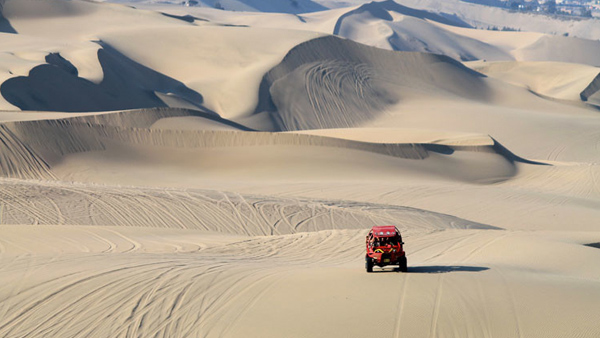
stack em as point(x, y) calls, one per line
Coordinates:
point(368, 264)
point(403, 264)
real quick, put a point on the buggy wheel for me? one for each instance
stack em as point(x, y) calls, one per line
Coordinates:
point(403, 264)
point(369, 264)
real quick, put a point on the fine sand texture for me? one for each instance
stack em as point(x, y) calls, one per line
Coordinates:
point(173, 171)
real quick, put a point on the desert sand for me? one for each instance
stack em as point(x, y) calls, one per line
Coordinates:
point(171, 171)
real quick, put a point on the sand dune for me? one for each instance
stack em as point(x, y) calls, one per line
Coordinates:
point(298, 6)
point(99, 139)
point(110, 68)
point(392, 26)
point(553, 48)
point(411, 27)
point(173, 171)
point(228, 83)
point(51, 86)
point(211, 211)
point(99, 151)
point(177, 290)
point(346, 83)
point(114, 73)
point(563, 81)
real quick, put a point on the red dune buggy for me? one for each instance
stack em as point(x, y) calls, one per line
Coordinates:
point(384, 247)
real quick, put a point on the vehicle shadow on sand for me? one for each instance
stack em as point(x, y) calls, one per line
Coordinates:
point(435, 269)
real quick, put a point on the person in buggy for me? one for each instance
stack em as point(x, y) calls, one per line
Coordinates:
point(385, 247)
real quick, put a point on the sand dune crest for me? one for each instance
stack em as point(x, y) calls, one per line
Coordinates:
point(336, 83)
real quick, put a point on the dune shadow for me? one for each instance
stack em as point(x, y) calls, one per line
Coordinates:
point(187, 18)
point(327, 82)
point(432, 269)
point(56, 86)
point(500, 149)
point(445, 269)
point(381, 10)
point(5, 26)
point(592, 88)
point(330, 82)
point(296, 6)
point(593, 245)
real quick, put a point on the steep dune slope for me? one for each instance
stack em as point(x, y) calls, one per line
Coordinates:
point(202, 58)
point(5, 26)
point(563, 81)
point(392, 26)
point(100, 149)
point(287, 6)
point(146, 60)
point(333, 83)
point(591, 92)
